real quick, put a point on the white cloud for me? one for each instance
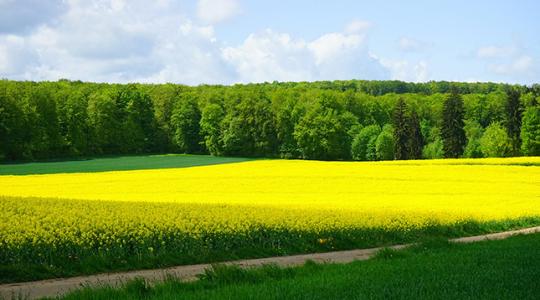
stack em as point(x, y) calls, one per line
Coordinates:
point(422, 71)
point(407, 71)
point(192, 56)
point(215, 11)
point(103, 41)
point(269, 56)
point(495, 52)
point(157, 41)
point(15, 56)
point(521, 64)
point(331, 45)
point(509, 63)
point(410, 44)
point(204, 31)
point(357, 26)
point(133, 41)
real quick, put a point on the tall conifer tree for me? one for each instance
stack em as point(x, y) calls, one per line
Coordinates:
point(400, 122)
point(453, 133)
point(416, 140)
point(513, 119)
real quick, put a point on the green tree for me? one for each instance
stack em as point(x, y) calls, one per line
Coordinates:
point(12, 128)
point(139, 125)
point(250, 128)
point(212, 116)
point(311, 120)
point(513, 119)
point(474, 132)
point(164, 97)
point(401, 125)
point(416, 140)
point(452, 133)
point(530, 131)
point(324, 131)
point(384, 144)
point(495, 141)
point(122, 119)
point(320, 134)
point(371, 151)
point(364, 143)
point(434, 144)
point(43, 122)
point(434, 149)
point(106, 123)
point(77, 129)
point(185, 123)
point(287, 113)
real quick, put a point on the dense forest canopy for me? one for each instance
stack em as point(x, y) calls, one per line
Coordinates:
point(331, 120)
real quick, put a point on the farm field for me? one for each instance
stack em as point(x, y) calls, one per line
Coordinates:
point(118, 163)
point(505, 269)
point(80, 223)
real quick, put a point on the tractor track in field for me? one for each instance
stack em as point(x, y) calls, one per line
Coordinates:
point(60, 286)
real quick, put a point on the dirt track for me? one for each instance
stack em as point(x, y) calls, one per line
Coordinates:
point(55, 287)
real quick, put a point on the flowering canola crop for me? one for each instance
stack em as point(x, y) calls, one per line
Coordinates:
point(277, 206)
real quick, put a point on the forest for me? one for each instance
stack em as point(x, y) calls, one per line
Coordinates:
point(327, 120)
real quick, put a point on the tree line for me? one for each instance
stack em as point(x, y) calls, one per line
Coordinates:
point(337, 120)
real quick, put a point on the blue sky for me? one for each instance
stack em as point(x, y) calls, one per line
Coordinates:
point(230, 41)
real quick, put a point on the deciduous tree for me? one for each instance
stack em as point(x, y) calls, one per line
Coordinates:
point(530, 131)
point(495, 141)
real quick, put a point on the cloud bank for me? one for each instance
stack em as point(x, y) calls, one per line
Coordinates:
point(127, 41)
point(173, 41)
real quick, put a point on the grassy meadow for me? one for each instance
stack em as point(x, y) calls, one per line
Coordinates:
point(85, 222)
point(505, 269)
point(114, 163)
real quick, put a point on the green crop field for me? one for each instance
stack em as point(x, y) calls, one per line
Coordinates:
point(506, 269)
point(120, 163)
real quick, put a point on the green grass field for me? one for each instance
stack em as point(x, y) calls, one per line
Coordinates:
point(505, 269)
point(120, 163)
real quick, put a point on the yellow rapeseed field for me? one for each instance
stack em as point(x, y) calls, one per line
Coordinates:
point(265, 203)
point(495, 189)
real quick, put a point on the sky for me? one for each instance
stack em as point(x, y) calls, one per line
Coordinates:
point(241, 41)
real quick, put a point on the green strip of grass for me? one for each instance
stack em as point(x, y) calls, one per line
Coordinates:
point(506, 269)
point(121, 163)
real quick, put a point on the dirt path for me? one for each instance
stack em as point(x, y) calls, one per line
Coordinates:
point(55, 287)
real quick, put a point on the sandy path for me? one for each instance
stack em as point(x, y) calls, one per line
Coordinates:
point(55, 287)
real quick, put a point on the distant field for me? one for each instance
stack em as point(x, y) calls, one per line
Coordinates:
point(121, 163)
point(67, 224)
point(507, 269)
